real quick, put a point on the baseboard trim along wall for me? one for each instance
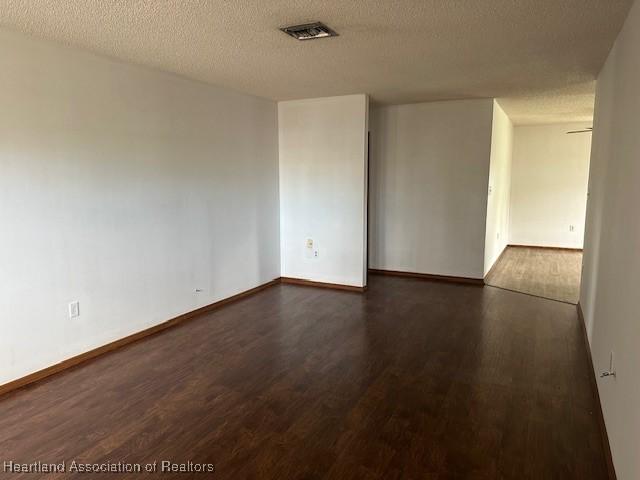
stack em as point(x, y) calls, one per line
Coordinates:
point(109, 347)
point(311, 283)
point(606, 447)
point(91, 354)
point(427, 276)
point(496, 262)
point(563, 249)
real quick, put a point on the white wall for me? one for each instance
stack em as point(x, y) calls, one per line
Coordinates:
point(126, 189)
point(549, 185)
point(429, 179)
point(499, 195)
point(323, 152)
point(611, 274)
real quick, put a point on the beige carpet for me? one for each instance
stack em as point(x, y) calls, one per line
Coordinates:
point(553, 274)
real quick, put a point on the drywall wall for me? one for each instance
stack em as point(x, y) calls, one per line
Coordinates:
point(323, 175)
point(611, 273)
point(499, 193)
point(125, 189)
point(549, 185)
point(429, 180)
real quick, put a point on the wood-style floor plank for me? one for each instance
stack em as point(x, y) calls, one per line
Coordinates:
point(412, 379)
point(543, 272)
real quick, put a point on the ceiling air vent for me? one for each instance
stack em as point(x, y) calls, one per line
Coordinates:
point(309, 31)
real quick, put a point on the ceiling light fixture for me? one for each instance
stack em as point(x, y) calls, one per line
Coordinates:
point(309, 31)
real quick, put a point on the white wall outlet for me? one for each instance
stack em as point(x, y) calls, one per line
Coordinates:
point(74, 309)
point(310, 248)
point(198, 290)
point(572, 228)
point(316, 253)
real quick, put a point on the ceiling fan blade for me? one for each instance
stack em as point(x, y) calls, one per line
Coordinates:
point(589, 130)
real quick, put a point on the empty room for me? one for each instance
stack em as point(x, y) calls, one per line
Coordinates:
point(309, 240)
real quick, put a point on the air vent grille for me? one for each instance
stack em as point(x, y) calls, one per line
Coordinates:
point(309, 31)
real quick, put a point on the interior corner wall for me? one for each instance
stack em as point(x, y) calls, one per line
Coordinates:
point(611, 272)
point(323, 178)
point(125, 189)
point(549, 185)
point(428, 192)
point(499, 192)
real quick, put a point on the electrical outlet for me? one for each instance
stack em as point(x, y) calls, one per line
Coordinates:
point(74, 309)
point(572, 228)
point(310, 249)
point(316, 253)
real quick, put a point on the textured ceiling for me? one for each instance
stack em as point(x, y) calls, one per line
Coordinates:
point(539, 57)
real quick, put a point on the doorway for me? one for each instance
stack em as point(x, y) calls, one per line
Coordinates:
point(547, 210)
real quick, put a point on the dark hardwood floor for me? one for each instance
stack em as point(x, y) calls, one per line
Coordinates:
point(412, 379)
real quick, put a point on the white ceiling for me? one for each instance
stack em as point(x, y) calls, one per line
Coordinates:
point(539, 57)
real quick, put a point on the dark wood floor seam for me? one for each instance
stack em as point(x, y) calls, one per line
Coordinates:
point(428, 276)
point(109, 347)
point(530, 294)
point(311, 283)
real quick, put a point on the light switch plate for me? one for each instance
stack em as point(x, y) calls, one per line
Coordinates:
point(74, 309)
